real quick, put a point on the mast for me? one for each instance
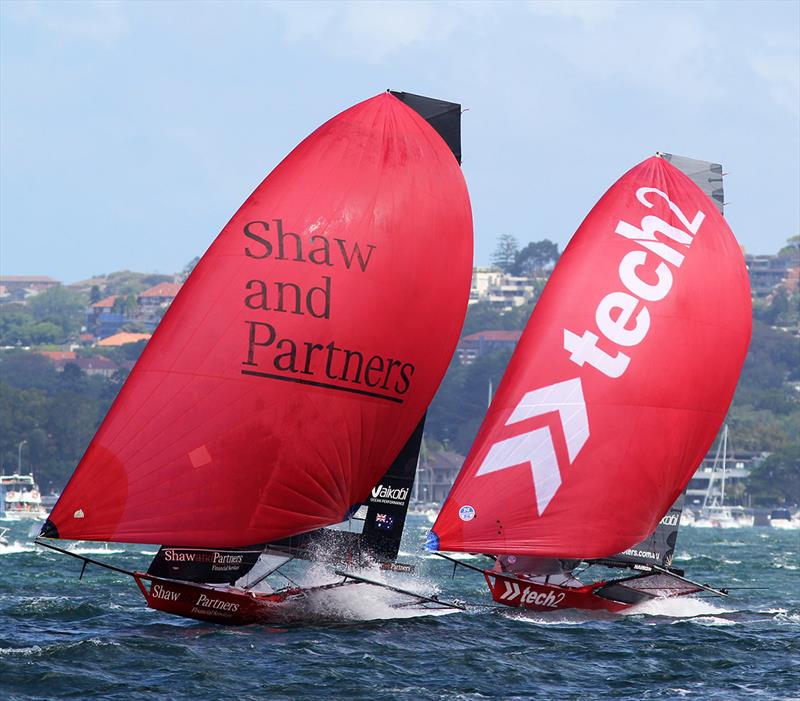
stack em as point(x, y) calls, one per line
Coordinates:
point(724, 463)
point(709, 489)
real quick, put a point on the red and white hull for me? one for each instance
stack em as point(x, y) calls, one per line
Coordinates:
point(228, 605)
point(613, 596)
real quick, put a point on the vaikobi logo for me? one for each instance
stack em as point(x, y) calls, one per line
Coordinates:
point(671, 519)
point(390, 495)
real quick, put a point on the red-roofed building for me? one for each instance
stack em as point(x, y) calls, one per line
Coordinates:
point(154, 301)
point(105, 303)
point(17, 288)
point(102, 319)
point(123, 337)
point(163, 291)
point(59, 357)
point(96, 365)
point(477, 344)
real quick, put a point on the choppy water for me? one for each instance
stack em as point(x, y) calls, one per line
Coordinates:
point(61, 638)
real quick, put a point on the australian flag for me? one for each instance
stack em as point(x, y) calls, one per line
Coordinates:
point(384, 521)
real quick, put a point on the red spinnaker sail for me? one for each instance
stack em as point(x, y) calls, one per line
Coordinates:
point(618, 385)
point(300, 354)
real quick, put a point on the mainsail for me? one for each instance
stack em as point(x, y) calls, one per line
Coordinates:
point(618, 385)
point(300, 354)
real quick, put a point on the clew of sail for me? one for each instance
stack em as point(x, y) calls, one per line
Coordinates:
point(658, 548)
point(301, 353)
point(609, 402)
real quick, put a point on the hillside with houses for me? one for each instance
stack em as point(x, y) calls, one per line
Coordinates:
point(67, 349)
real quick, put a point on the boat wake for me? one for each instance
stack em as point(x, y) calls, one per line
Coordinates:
point(16, 547)
point(700, 610)
point(364, 602)
point(564, 617)
point(96, 550)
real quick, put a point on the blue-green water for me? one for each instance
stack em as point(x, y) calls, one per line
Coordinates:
point(61, 638)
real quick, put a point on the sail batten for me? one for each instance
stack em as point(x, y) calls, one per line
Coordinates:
point(300, 354)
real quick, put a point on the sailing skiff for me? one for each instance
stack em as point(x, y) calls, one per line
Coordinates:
point(285, 390)
point(613, 396)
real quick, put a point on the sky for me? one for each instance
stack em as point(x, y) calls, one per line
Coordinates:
point(130, 132)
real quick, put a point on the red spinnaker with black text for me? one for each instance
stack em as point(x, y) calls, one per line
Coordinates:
point(618, 385)
point(300, 354)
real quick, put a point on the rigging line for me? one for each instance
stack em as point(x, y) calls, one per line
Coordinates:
point(39, 541)
point(286, 577)
point(276, 570)
point(462, 564)
point(406, 592)
point(705, 587)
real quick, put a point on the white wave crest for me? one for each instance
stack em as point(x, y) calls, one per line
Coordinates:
point(364, 602)
point(95, 551)
point(16, 547)
point(676, 607)
point(556, 618)
point(37, 650)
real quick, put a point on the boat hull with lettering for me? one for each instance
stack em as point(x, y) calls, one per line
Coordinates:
point(613, 596)
point(224, 604)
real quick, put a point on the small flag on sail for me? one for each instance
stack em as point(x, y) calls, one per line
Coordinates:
point(384, 521)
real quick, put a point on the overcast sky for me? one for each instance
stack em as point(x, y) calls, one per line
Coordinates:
point(131, 132)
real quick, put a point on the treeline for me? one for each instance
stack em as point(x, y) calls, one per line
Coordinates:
point(56, 316)
point(57, 413)
point(54, 413)
point(53, 317)
point(764, 416)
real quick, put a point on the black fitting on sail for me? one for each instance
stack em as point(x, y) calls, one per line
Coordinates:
point(443, 116)
point(49, 530)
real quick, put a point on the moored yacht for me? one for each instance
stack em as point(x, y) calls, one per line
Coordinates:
point(783, 519)
point(22, 498)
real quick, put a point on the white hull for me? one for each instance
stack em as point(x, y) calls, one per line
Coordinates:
point(24, 515)
point(722, 517)
point(721, 523)
point(786, 524)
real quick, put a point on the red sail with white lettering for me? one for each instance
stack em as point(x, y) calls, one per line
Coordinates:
point(618, 385)
point(300, 354)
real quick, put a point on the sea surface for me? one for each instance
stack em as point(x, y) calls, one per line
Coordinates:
point(65, 638)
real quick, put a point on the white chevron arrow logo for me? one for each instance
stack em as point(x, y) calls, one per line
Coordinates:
point(511, 592)
point(536, 447)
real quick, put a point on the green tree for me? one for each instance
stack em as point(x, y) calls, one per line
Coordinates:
point(535, 258)
point(25, 370)
point(131, 305)
point(460, 405)
point(482, 316)
point(187, 269)
point(505, 253)
point(791, 250)
point(59, 306)
point(777, 479)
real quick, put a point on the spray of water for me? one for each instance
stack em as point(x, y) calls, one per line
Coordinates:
point(355, 601)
